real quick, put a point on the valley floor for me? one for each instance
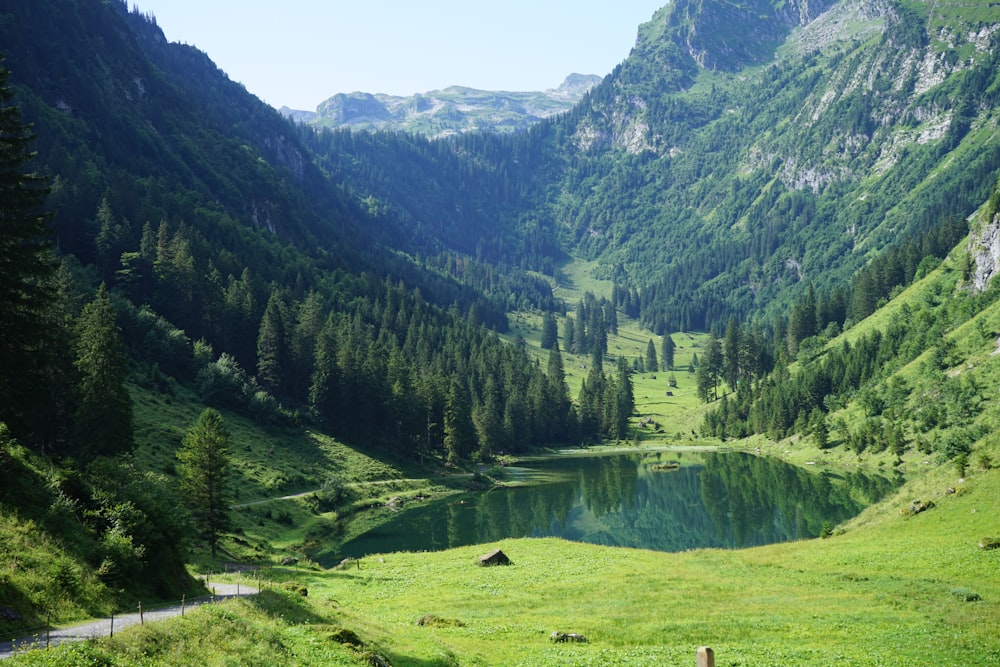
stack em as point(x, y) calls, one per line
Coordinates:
point(890, 588)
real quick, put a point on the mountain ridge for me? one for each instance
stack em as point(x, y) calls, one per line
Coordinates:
point(445, 112)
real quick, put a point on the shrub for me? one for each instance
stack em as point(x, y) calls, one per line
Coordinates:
point(431, 620)
point(965, 595)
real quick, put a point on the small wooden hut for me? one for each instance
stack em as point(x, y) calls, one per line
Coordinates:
point(497, 557)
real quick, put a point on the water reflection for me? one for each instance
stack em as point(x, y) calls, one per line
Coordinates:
point(664, 501)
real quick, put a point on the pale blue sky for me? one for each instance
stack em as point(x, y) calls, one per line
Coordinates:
point(300, 52)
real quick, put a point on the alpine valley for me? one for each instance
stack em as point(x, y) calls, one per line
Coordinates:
point(234, 339)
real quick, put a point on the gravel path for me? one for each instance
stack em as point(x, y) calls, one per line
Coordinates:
point(102, 627)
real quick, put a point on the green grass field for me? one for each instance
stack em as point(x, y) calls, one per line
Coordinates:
point(888, 589)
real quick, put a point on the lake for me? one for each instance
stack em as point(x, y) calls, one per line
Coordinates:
point(666, 501)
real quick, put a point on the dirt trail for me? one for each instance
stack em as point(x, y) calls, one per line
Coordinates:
point(103, 627)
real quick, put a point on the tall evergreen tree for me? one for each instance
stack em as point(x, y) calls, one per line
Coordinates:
point(459, 432)
point(581, 340)
point(557, 396)
point(549, 331)
point(309, 322)
point(669, 349)
point(324, 389)
point(591, 397)
point(487, 418)
point(710, 370)
point(26, 268)
point(611, 318)
point(624, 400)
point(113, 238)
point(569, 334)
point(273, 353)
point(731, 361)
point(104, 409)
point(651, 364)
point(802, 323)
point(205, 457)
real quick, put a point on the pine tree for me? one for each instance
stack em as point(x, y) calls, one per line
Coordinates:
point(549, 331)
point(556, 396)
point(731, 361)
point(104, 409)
point(205, 458)
point(669, 349)
point(713, 362)
point(113, 238)
point(625, 400)
point(651, 365)
point(273, 354)
point(26, 268)
point(581, 341)
point(324, 388)
point(710, 370)
point(591, 397)
point(802, 323)
point(459, 433)
point(308, 323)
point(569, 334)
point(611, 318)
point(820, 429)
point(488, 420)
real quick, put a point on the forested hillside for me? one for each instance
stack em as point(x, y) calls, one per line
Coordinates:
point(716, 179)
point(165, 232)
point(773, 170)
point(230, 260)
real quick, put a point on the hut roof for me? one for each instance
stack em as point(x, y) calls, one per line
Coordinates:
point(496, 557)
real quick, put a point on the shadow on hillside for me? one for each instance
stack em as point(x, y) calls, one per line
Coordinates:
point(288, 605)
point(16, 611)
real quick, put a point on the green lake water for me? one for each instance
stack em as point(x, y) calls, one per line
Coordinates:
point(666, 501)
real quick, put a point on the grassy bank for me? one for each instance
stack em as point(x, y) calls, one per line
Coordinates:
point(891, 588)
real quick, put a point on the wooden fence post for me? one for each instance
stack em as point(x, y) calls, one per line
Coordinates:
point(183, 600)
point(112, 625)
point(141, 620)
point(706, 657)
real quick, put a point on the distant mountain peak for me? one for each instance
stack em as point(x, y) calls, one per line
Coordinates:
point(452, 110)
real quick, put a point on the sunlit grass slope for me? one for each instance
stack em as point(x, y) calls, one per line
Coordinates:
point(894, 592)
point(666, 400)
point(896, 589)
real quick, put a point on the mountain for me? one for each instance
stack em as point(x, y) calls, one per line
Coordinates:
point(801, 175)
point(740, 153)
point(442, 113)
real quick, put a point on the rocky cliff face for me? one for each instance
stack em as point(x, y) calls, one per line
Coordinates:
point(453, 110)
point(727, 36)
point(984, 246)
point(682, 39)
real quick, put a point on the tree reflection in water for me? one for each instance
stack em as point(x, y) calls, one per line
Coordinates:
point(647, 501)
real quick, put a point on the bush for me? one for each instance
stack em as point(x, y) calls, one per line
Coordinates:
point(224, 383)
point(965, 595)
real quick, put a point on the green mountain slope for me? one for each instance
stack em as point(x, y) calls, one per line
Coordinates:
point(741, 150)
point(743, 185)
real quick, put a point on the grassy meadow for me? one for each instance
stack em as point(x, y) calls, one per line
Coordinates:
point(888, 589)
point(677, 416)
